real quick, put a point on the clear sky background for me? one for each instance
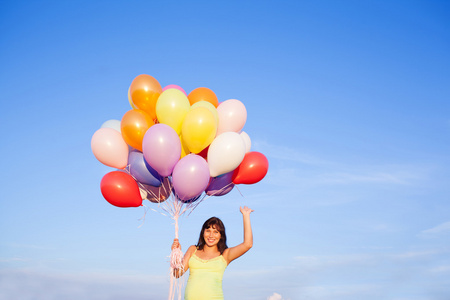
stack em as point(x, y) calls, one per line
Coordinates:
point(349, 101)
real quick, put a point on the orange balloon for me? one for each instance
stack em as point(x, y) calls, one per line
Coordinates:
point(134, 125)
point(144, 92)
point(203, 94)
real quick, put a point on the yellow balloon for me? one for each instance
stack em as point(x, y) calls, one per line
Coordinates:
point(199, 129)
point(209, 106)
point(184, 149)
point(171, 108)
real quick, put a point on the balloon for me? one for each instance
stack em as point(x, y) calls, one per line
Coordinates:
point(109, 148)
point(120, 189)
point(220, 185)
point(142, 171)
point(130, 101)
point(252, 169)
point(191, 200)
point(247, 140)
point(232, 116)
point(144, 92)
point(209, 106)
point(143, 193)
point(174, 86)
point(225, 153)
point(198, 129)
point(190, 177)
point(203, 94)
point(204, 153)
point(114, 124)
point(171, 108)
point(134, 125)
point(158, 194)
point(161, 147)
point(184, 149)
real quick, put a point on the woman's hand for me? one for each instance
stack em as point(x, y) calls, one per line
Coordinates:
point(176, 244)
point(245, 210)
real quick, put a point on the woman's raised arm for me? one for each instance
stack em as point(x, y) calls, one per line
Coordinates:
point(232, 253)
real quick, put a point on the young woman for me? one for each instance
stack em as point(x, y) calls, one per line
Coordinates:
point(208, 259)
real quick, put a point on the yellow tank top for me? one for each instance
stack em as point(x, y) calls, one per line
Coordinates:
point(205, 278)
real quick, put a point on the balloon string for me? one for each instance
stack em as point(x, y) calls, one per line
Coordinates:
point(239, 191)
point(176, 225)
point(143, 217)
point(176, 262)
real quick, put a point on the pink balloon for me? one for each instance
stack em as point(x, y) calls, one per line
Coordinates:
point(232, 116)
point(161, 147)
point(174, 86)
point(190, 176)
point(109, 148)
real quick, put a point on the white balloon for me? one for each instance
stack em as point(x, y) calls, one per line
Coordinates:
point(225, 153)
point(247, 140)
point(232, 116)
point(114, 124)
point(144, 193)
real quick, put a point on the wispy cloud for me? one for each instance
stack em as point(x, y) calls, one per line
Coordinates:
point(330, 261)
point(29, 246)
point(22, 284)
point(369, 276)
point(342, 291)
point(310, 170)
point(440, 269)
point(438, 230)
point(391, 175)
point(287, 153)
point(12, 259)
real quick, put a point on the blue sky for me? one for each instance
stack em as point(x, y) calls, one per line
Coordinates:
point(349, 101)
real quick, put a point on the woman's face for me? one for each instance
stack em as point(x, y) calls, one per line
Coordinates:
point(211, 236)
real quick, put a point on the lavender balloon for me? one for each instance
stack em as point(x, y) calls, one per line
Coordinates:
point(220, 185)
point(161, 147)
point(190, 177)
point(142, 171)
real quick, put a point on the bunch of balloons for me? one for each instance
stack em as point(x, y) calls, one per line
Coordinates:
point(174, 144)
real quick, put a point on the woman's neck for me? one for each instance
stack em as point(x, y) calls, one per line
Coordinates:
point(210, 251)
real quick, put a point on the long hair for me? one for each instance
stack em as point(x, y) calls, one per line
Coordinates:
point(217, 223)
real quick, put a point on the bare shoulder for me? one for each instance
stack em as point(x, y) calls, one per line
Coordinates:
point(190, 250)
point(226, 255)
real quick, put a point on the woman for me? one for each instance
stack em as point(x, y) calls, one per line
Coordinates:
point(208, 259)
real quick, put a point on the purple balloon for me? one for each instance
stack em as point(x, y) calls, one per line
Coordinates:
point(190, 177)
point(191, 200)
point(220, 185)
point(161, 147)
point(141, 170)
point(159, 194)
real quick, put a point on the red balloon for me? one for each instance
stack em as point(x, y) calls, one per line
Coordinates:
point(120, 189)
point(252, 169)
point(204, 153)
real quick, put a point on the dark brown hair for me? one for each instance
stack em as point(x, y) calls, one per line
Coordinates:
point(218, 225)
